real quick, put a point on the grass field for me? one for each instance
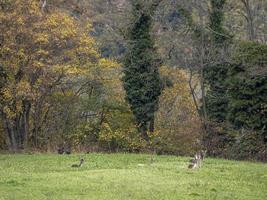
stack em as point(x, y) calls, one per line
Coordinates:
point(127, 177)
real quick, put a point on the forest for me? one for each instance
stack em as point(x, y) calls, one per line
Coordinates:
point(166, 77)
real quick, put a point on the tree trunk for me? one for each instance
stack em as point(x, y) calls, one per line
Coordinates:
point(192, 91)
point(202, 78)
point(17, 129)
point(14, 141)
point(152, 124)
point(10, 134)
point(250, 20)
point(26, 122)
point(202, 85)
point(203, 96)
point(143, 131)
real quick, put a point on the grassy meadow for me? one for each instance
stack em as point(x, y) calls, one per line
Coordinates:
point(128, 177)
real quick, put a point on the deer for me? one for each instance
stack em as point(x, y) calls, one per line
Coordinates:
point(78, 165)
point(196, 162)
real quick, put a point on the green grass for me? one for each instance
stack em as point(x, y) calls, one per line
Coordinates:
point(128, 176)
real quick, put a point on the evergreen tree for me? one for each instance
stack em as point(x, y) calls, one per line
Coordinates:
point(141, 69)
point(216, 75)
point(248, 88)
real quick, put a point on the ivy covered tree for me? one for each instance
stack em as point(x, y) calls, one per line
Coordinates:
point(218, 34)
point(141, 68)
point(216, 75)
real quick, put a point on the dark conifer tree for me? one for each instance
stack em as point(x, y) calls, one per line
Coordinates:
point(141, 69)
point(248, 88)
point(216, 75)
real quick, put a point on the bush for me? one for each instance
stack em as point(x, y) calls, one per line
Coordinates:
point(248, 145)
point(238, 144)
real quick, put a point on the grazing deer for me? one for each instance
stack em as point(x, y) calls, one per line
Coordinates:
point(78, 165)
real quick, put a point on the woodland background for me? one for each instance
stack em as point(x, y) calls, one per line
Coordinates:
point(62, 65)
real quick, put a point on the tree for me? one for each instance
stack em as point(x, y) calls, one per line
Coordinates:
point(141, 69)
point(40, 51)
point(247, 19)
point(216, 74)
point(247, 88)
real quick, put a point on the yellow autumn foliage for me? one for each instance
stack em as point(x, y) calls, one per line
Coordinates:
point(177, 124)
point(42, 54)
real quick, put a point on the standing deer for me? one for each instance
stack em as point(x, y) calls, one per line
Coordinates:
point(196, 162)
